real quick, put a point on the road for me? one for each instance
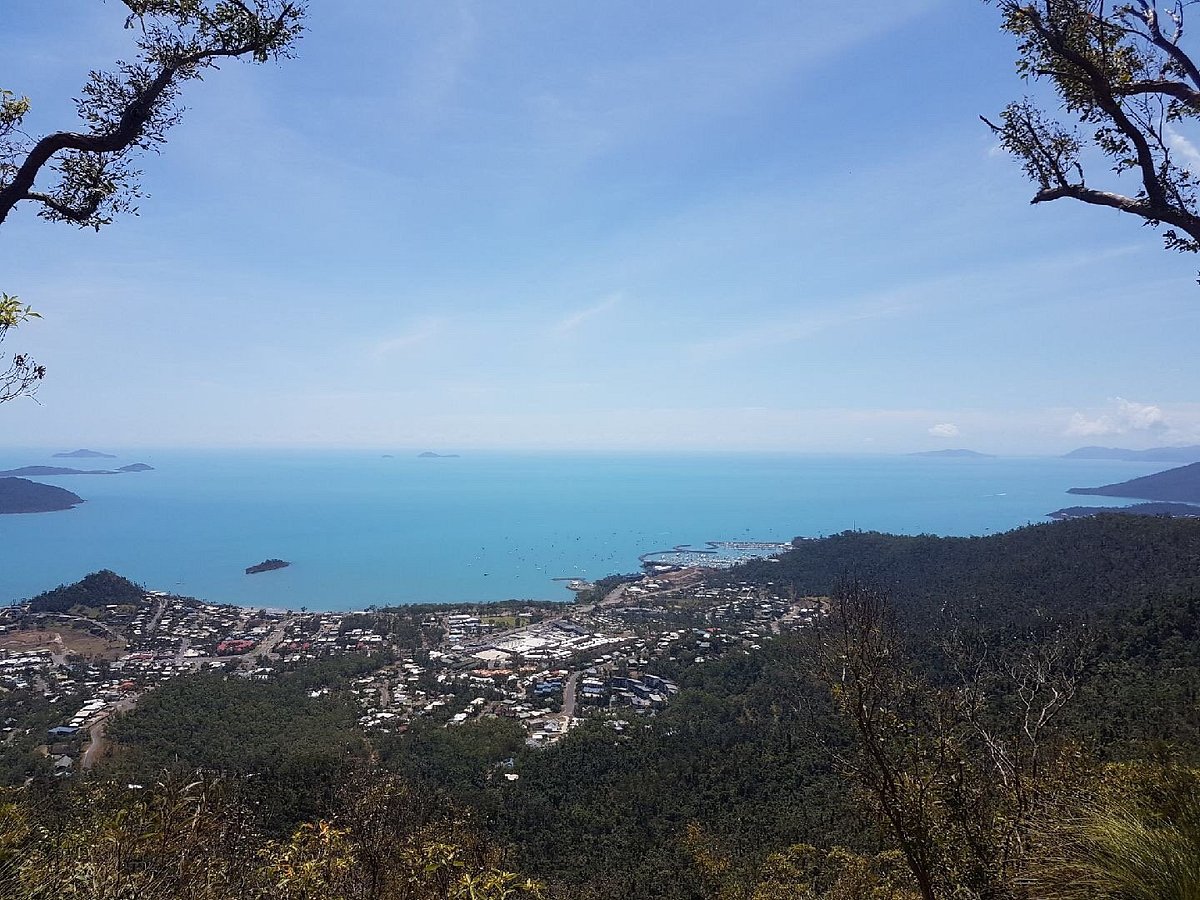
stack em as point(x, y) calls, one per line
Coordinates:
point(96, 742)
point(568, 707)
point(265, 647)
point(160, 607)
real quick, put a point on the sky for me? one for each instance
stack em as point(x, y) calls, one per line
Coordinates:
point(533, 225)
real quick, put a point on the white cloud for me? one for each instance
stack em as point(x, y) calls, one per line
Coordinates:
point(1184, 148)
point(945, 430)
point(1123, 417)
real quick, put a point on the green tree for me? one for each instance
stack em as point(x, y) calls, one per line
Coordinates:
point(21, 375)
point(124, 113)
point(128, 111)
point(1126, 86)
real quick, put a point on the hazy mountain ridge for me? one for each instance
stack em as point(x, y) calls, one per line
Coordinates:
point(1184, 454)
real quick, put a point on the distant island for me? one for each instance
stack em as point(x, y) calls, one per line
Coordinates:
point(1188, 454)
point(429, 454)
point(267, 565)
point(19, 495)
point(1181, 485)
point(84, 454)
point(62, 470)
point(1183, 510)
point(955, 454)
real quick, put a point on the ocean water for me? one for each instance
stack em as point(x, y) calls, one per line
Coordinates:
point(361, 529)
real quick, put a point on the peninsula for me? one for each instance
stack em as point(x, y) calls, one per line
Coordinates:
point(46, 471)
point(1181, 485)
point(1183, 510)
point(20, 495)
point(267, 565)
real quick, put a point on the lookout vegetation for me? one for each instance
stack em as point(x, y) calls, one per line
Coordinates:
point(1127, 88)
point(89, 176)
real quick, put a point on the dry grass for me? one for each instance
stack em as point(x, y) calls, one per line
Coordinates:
point(62, 640)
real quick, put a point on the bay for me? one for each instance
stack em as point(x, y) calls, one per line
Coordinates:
point(362, 529)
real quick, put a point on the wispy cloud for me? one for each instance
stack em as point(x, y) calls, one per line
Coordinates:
point(788, 329)
point(571, 323)
point(434, 75)
point(945, 430)
point(705, 72)
point(418, 333)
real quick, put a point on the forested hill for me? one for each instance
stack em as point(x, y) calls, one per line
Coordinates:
point(1058, 571)
point(1182, 483)
point(20, 495)
point(93, 591)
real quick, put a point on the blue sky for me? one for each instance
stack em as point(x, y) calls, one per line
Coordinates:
point(575, 225)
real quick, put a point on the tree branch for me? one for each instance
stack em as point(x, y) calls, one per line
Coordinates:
point(128, 129)
point(1168, 214)
point(74, 214)
point(1168, 46)
point(1105, 99)
point(1177, 89)
point(261, 37)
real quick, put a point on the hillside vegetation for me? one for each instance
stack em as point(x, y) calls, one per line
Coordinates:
point(972, 718)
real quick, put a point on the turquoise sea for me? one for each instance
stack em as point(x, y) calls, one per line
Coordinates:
point(362, 529)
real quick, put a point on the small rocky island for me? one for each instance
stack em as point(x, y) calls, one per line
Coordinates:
point(267, 565)
point(429, 454)
point(20, 495)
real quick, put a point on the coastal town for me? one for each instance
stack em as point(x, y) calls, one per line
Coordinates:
point(547, 666)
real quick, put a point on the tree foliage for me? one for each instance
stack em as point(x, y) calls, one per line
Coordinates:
point(128, 111)
point(295, 751)
point(1127, 85)
point(196, 839)
point(123, 113)
point(21, 375)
